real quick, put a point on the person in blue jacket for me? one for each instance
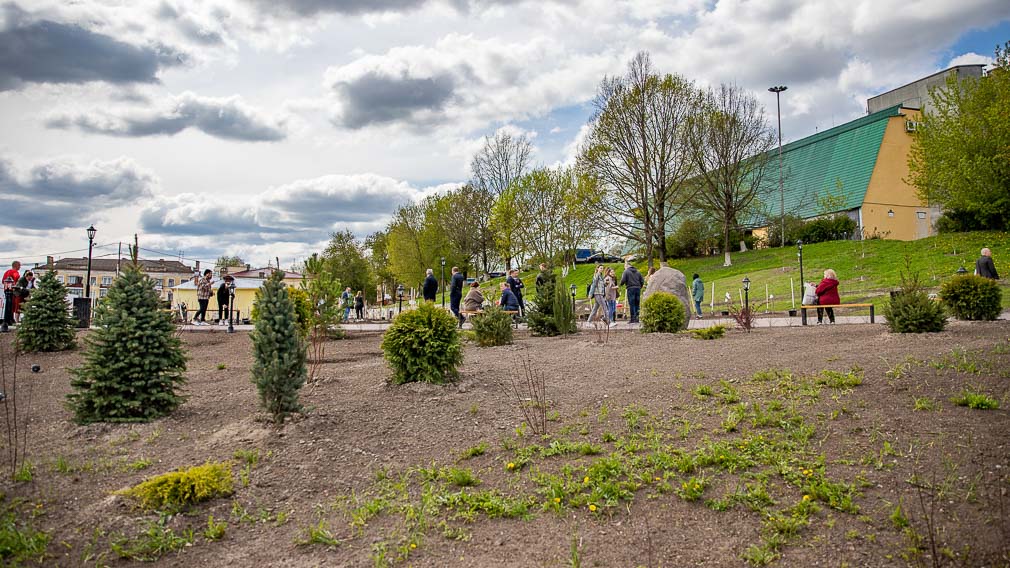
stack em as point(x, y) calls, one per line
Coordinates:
point(508, 301)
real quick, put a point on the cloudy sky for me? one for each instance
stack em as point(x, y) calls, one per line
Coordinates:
point(257, 127)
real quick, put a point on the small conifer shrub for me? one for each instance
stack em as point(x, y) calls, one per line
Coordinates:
point(971, 297)
point(493, 327)
point(551, 313)
point(46, 324)
point(178, 489)
point(133, 360)
point(911, 310)
point(662, 312)
point(422, 345)
point(279, 366)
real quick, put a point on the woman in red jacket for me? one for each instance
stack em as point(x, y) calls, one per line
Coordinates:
point(827, 294)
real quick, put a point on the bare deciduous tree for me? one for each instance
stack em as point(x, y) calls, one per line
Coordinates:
point(730, 139)
point(500, 162)
point(637, 150)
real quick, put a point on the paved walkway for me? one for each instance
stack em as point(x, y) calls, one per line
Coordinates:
point(773, 321)
point(622, 325)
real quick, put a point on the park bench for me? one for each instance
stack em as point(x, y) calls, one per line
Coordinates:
point(805, 307)
point(468, 313)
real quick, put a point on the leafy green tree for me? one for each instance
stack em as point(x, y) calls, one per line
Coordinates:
point(960, 157)
point(580, 199)
point(133, 361)
point(637, 150)
point(506, 219)
point(345, 260)
point(729, 142)
point(46, 324)
point(278, 351)
point(225, 261)
point(377, 245)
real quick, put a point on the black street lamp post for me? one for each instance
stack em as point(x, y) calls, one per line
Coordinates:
point(399, 292)
point(91, 244)
point(746, 294)
point(782, 194)
point(803, 284)
point(573, 298)
point(231, 306)
point(443, 283)
point(962, 271)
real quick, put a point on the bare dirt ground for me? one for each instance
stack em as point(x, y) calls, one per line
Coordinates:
point(667, 451)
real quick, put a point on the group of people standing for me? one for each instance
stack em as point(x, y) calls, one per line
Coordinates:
point(604, 290)
point(204, 292)
point(17, 288)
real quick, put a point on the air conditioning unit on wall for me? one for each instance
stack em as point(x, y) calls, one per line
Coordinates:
point(911, 126)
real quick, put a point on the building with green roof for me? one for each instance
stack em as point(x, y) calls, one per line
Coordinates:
point(859, 169)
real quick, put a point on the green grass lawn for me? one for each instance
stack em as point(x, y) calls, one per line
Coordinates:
point(868, 270)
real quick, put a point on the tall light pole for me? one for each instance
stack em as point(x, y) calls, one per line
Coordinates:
point(443, 283)
point(782, 193)
point(91, 244)
point(803, 284)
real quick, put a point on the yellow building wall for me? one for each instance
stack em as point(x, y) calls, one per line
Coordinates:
point(888, 192)
point(244, 299)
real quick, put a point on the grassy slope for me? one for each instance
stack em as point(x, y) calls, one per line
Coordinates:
point(867, 270)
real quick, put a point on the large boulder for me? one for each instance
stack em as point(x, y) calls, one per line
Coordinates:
point(672, 281)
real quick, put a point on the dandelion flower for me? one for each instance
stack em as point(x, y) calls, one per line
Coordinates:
point(592, 508)
point(585, 479)
point(412, 545)
point(806, 498)
point(511, 466)
point(557, 499)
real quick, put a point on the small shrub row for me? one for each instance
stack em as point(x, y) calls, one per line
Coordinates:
point(663, 312)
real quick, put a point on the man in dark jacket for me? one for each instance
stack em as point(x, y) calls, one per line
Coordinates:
point(430, 288)
point(508, 301)
point(456, 293)
point(516, 285)
point(633, 281)
point(222, 301)
point(985, 267)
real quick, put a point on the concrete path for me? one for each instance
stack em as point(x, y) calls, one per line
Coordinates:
point(774, 321)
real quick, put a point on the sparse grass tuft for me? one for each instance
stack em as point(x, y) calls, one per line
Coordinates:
point(318, 534)
point(214, 530)
point(973, 399)
point(474, 451)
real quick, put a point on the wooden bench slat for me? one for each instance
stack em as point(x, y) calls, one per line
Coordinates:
point(836, 305)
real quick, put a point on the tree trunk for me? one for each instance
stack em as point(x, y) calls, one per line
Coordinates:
point(725, 245)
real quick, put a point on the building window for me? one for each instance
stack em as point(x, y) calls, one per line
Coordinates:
point(171, 282)
point(920, 214)
point(94, 280)
point(76, 280)
point(75, 292)
point(59, 278)
point(106, 281)
point(103, 292)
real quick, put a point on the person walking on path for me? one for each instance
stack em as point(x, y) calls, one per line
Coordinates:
point(430, 288)
point(204, 290)
point(633, 281)
point(359, 306)
point(456, 282)
point(610, 288)
point(985, 267)
point(827, 294)
point(508, 300)
point(222, 301)
point(597, 291)
point(347, 302)
point(697, 293)
point(516, 285)
point(474, 300)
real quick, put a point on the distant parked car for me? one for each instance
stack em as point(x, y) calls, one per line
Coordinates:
point(491, 275)
point(603, 258)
